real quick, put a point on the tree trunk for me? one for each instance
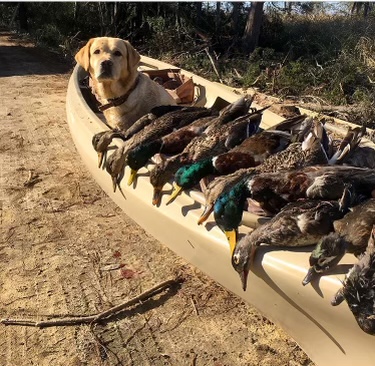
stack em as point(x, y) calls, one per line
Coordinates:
point(288, 7)
point(198, 9)
point(236, 18)
point(252, 29)
point(217, 17)
point(76, 9)
point(23, 16)
point(138, 20)
point(101, 17)
point(114, 18)
point(357, 7)
point(366, 9)
point(177, 15)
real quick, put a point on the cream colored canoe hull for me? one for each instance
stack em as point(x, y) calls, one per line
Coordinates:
point(329, 335)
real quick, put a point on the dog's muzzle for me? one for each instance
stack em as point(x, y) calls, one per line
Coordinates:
point(105, 69)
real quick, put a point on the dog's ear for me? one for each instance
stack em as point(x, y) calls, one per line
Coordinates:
point(83, 55)
point(133, 56)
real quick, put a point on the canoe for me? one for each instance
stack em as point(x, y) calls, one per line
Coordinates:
point(329, 335)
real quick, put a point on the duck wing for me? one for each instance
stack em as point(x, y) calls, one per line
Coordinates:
point(231, 112)
point(298, 224)
point(357, 225)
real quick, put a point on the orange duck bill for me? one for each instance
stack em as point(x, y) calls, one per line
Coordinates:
point(156, 197)
point(206, 213)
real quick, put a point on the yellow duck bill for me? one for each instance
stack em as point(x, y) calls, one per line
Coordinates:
point(132, 176)
point(177, 190)
point(231, 236)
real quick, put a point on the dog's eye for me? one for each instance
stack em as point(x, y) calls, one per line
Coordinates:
point(96, 52)
point(117, 53)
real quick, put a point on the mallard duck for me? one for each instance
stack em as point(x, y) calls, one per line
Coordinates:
point(250, 153)
point(297, 126)
point(359, 289)
point(274, 190)
point(227, 214)
point(351, 235)
point(170, 144)
point(291, 181)
point(102, 140)
point(115, 167)
point(219, 186)
point(314, 150)
point(232, 111)
point(300, 223)
point(217, 141)
point(163, 171)
point(239, 155)
point(294, 155)
point(155, 112)
point(310, 151)
point(157, 128)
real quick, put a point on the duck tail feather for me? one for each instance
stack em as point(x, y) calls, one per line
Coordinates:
point(348, 144)
point(346, 199)
point(371, 241)
point(291, 124)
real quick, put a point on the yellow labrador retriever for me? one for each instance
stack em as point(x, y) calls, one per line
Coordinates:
point(125, 93)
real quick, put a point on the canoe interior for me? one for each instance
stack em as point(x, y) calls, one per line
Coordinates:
point(329, 335)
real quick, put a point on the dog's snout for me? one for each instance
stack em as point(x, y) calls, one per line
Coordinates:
point(107, 64)
point(106, 69)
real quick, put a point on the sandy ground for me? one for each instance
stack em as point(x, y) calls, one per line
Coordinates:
point(61, 235)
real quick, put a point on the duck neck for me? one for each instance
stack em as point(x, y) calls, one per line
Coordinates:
point(228, 209)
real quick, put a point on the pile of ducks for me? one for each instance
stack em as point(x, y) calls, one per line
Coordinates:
point(315, 189)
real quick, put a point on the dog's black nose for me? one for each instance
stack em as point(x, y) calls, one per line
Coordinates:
point(106, 64)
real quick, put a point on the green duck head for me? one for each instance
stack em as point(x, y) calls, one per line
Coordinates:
point(140, 155)
point(228, 210)
point(327, 253)
point(189, 175)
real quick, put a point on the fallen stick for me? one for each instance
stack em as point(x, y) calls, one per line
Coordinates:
point(31, 179)
point(213, 64)
point(91, 319)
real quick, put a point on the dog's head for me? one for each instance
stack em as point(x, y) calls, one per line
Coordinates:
point(108, 59)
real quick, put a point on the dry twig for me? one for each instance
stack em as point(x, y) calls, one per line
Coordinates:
point(31, 179)
point(213, 64)
point(91, 319)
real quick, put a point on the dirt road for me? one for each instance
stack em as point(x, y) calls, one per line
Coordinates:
point(61, 235)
